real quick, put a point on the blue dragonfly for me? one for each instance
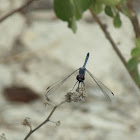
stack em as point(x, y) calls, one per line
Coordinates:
point(80, 81)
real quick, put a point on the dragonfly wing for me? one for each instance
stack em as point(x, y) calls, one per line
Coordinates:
point(105, 90)
point(57, 84)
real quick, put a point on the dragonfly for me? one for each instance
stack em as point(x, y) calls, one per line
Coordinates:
point(80, 81)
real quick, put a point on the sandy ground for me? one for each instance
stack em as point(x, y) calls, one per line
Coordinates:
point(49, 51)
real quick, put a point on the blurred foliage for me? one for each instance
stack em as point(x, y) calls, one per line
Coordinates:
point(72, 10)
point(117, 21)
point(134, 61)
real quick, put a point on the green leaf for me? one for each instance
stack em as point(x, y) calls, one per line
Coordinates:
point(110, 2)
point(80, 6)
point(133, 69)
point(138, 42)
point(117, 21)
point(78, 13)
point(72, 25)
point(83, 4)
point(64, 9)
point(136, 52)
point(136, 76)
point(123, 2)
point(109, 11)
point(97, 7)
point(132, 64)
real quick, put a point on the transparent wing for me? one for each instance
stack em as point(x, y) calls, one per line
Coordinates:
point(106, 91)
point(57, 84)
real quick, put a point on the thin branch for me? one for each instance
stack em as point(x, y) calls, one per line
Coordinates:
point(108, 36)
point(44, 122)
point(16, 10)
point(134, 18)
point(102, 26)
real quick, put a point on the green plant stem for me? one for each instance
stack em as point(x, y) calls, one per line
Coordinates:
point(16, 10)
point(108, 36)
point(44, 122)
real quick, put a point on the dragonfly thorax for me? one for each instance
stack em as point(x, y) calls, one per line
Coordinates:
point(80, 78)
point(82, 71)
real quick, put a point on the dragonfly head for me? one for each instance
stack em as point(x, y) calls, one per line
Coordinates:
point(80, 78)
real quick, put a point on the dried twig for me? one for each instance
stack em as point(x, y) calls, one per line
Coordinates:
point(108, 36)
point(44, 122)
point(16, 10)
point(72, 96)
point(134, 18)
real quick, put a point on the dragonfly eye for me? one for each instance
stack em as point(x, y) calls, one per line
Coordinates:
point(80, 78)
point(77, 77)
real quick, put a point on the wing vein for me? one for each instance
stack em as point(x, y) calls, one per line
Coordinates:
point(99, 85)
point(58, 83)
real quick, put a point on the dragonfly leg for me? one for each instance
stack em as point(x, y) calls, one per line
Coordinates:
point(74, 86)
point(83, 89)
point(84, 86)
point(78, 86)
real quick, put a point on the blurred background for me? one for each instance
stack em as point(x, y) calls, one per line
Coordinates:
point(37, 49)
